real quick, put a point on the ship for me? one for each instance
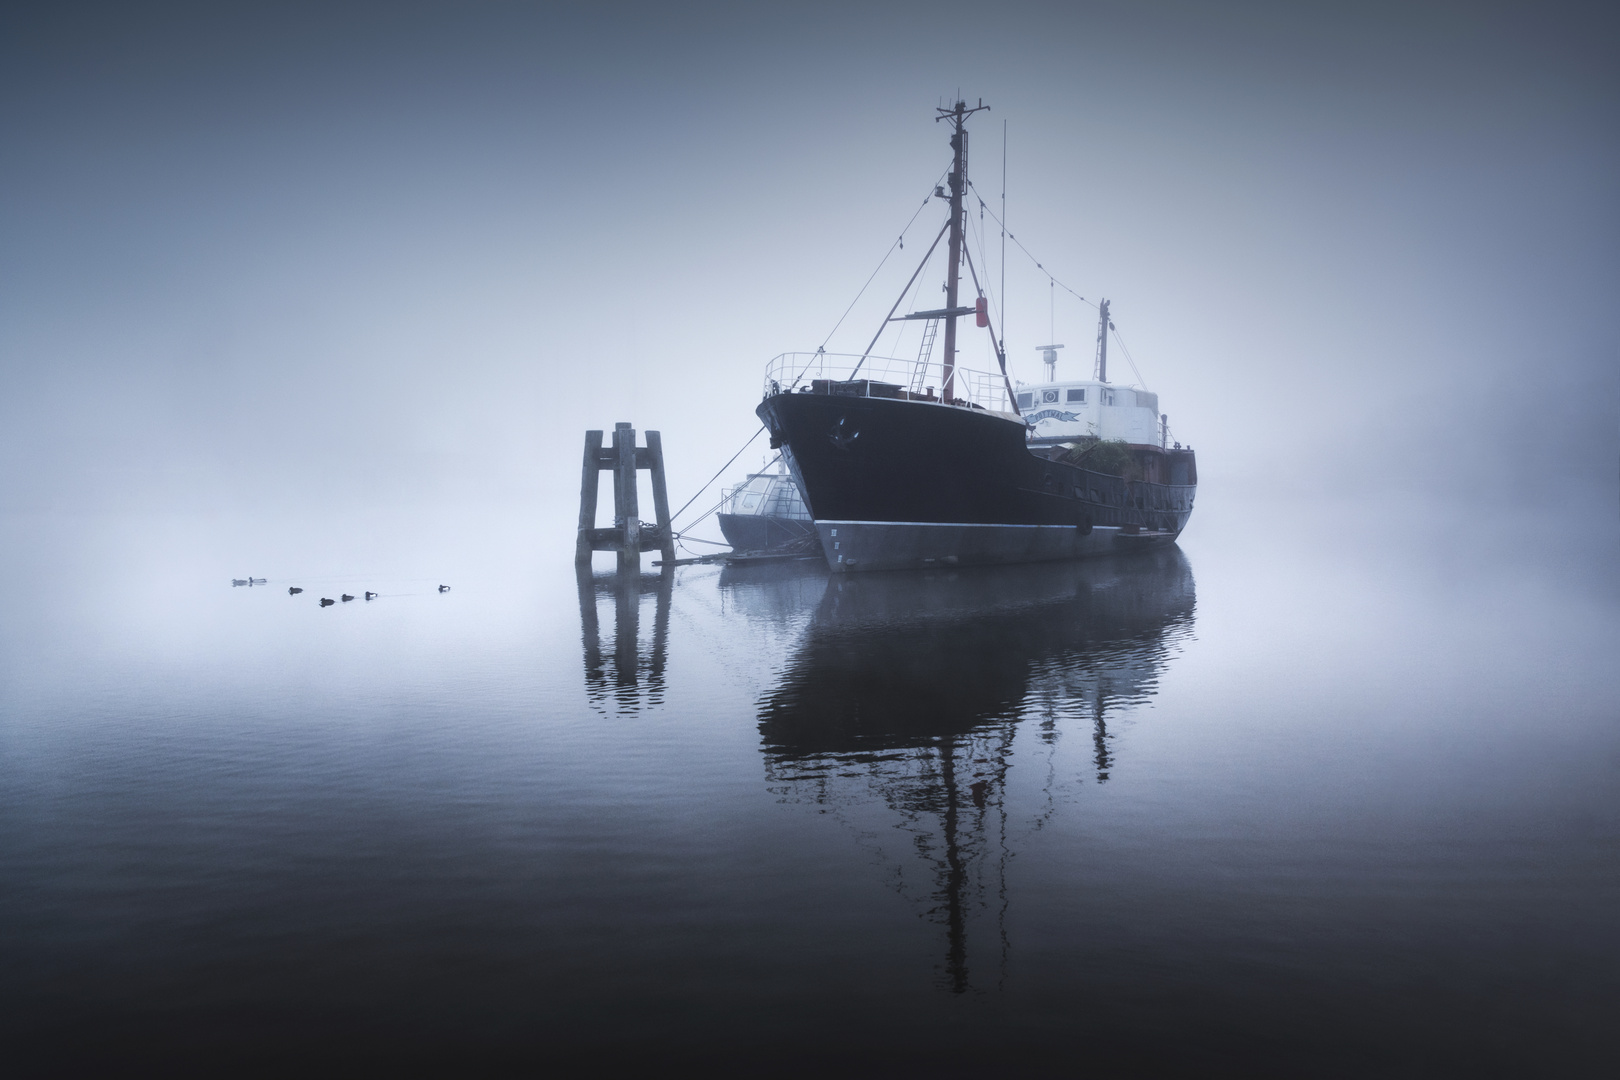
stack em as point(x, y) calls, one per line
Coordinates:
point(912, 463)
point(766, 513)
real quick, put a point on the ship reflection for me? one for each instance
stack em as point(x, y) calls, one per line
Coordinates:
point(630, 676)
point(904, 702)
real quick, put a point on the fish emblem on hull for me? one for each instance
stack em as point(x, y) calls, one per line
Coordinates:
point(1052, 414)
point(845, 432)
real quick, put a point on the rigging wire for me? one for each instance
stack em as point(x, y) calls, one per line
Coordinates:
point(713, 478)
point(700, 518)
point(681, 537)
point(722, 502)
point(899, 346)
point(1002, 343)
point(1038, 265)
point(1001, 354)
point(899, 244)
point(978, 238)
point(682, 540)
point(1053, 282)
point(900, 335)
point(1127, 353)
point(884, 325)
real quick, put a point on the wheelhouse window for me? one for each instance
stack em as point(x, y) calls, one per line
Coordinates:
point(1077, 394)
point(1049, 397)
point(1025, 400)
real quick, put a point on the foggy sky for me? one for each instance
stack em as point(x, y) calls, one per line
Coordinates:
point(277, 254)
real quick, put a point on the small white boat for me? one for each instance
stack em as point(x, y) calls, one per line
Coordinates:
point(766, 512)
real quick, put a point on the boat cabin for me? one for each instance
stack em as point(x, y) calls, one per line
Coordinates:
point(1064, 411)
point(767, 495)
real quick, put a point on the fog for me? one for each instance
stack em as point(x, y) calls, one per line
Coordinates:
point(281, 261)
point(327, 295)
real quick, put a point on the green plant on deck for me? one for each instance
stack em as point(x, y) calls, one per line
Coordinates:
point(1109, 456)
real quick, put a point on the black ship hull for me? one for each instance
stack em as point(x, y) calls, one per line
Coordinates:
point(896, 482)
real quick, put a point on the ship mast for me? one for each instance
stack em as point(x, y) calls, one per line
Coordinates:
point(957, 115)
point(1103, 326)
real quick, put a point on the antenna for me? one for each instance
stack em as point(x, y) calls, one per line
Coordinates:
point(1049, 358)
point(1051, 306)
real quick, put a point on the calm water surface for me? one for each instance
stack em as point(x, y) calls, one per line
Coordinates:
point(1299, 798)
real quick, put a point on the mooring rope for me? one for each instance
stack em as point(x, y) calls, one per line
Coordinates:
point(712, 479)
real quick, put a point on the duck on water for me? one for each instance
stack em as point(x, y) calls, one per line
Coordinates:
point(908, 463)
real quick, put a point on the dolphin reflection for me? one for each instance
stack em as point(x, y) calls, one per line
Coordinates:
point(908, 691)
point(629, 676)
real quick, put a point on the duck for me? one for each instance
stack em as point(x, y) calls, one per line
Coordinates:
point(371, 596)
point(444, 588)
point(294, 590)
point(347, 598)
point(327, 601)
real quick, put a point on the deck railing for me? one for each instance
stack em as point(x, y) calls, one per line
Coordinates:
point(882, 376)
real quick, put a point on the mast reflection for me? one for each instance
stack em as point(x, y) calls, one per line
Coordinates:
point(908, 693)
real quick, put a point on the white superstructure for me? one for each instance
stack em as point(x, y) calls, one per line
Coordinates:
point(1061, 411)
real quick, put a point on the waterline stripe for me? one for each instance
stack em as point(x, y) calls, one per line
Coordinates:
point(952, 524)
